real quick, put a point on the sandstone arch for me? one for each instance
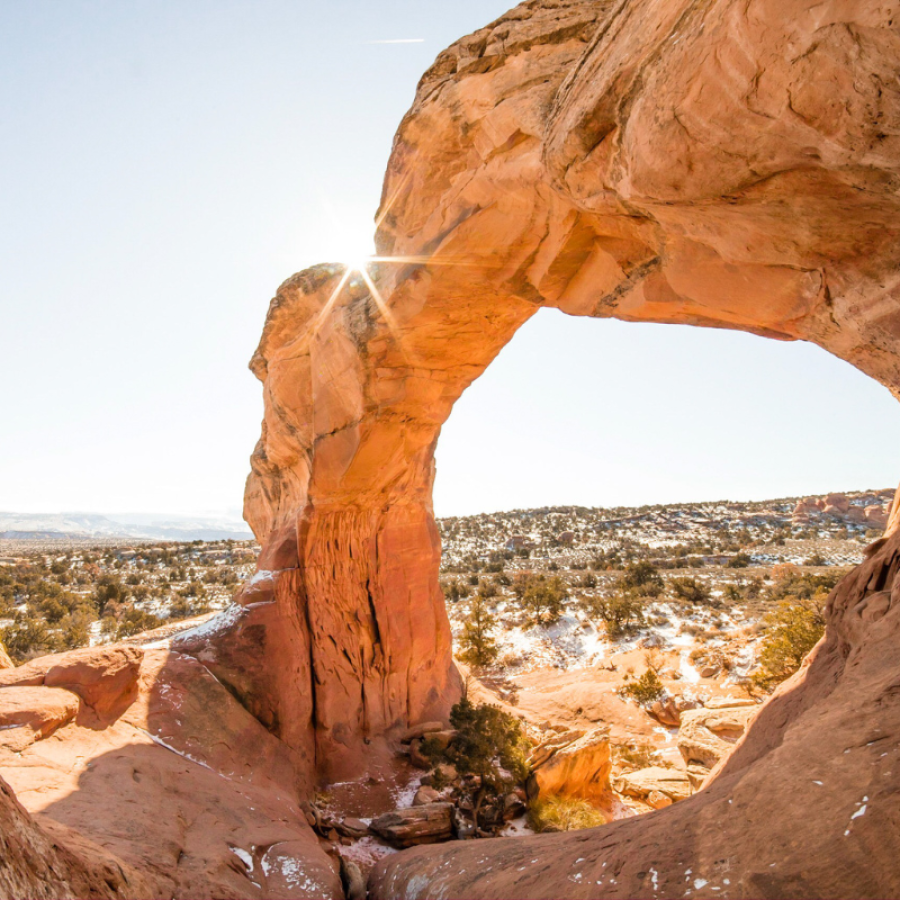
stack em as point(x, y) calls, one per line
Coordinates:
point(730, 165)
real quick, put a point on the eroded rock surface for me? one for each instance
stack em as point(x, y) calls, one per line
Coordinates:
point(179, 791)
point(668, 162)
point(577, 769)
point(803, 806)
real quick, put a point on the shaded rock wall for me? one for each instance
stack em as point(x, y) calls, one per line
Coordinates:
point(730, 165)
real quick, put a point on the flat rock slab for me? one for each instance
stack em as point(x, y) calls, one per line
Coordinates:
point(426, 824)
point(673, 783)
point(28, 714)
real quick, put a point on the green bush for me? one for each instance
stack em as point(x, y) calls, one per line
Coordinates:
point(646, 689)
point(794, 627)
point(477, 645)
point(542, 598)
point(564, 814)
point(690, 590)
point(643, 578)
point(490, 744)
point(621, 612)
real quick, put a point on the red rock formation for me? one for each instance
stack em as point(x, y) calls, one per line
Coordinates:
point(730, 165)
point(146, 778)
point(667, 162)
point(49, 864)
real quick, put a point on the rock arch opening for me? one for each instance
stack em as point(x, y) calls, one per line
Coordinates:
point(673, 163)
point(605, 413)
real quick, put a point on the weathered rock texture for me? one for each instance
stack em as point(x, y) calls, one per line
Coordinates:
point(146, 778)
point(577, 769)
point(729, 164)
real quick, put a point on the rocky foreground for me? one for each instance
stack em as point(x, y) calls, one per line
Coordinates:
point(731, 164)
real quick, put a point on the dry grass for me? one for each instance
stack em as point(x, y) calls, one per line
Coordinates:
point(564, 814)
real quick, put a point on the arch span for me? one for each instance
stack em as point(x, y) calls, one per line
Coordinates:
point(731, 165)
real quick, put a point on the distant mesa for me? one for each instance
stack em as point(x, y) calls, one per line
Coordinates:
point(60, 527)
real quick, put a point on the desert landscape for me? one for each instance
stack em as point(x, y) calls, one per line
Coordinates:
point(678, 700)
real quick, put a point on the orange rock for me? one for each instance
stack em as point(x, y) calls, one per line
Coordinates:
point(104, 677)
point(605, 160)
point(28, 714)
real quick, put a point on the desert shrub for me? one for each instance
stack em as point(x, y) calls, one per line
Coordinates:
point(790, 583)
point(477, 645)
point(542, 598)
point(645, 689)
point(643, 578)
point(27, 638)
point(620, 612)
point(793, 629)
point(690, 590)
point(455, 590)
point(108, 590)
point(134, 621)
point(564, 814)
point(490, 744)
point(739, 561)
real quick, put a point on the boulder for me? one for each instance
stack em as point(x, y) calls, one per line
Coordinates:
point(876, 516)
point(104, 677)
point(672, 783)
point(577, 769)
point(441, 739)
point(353, 827)
point(706, 735)
point(416, 757)
point(5, 661)
point(665, 713)
point(419, 825)
point(28, 714)
point(426, 795)
point(543, 751)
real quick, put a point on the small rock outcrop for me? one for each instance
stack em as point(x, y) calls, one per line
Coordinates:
point(424, 824)
point(707, 735)
point(28, 714)
point(576, 767)
point(643, 783)
point(104, 677)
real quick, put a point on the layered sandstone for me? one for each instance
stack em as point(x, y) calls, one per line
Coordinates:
point(666, 162)
point(727, 165)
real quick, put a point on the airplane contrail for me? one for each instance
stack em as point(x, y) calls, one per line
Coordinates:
point(398, 41)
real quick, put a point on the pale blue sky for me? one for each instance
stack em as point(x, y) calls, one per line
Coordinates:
point(165, 165)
